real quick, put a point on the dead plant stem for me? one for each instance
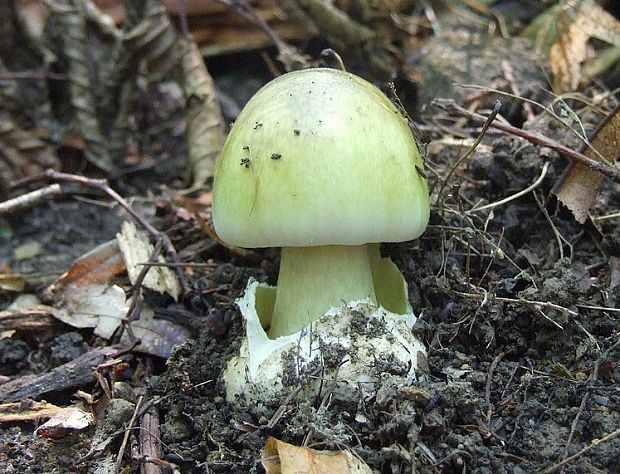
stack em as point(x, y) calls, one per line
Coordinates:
point(487, 122)
point(602, 167)
point(490, 297)
point(523, 192)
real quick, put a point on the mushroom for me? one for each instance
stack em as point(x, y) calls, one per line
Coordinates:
point(321, 163)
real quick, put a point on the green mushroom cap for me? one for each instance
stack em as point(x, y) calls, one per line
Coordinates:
point(319, 157)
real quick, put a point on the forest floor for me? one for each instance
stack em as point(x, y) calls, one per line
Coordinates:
point(517, 302)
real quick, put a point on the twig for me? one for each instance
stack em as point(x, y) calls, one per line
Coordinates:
point(150, 447)
point(592, 445)
point(487, 122)
point(598, 308)
point(31, 199)
point(613, 215)
point(121, 451)
point(491, 297)
point(547, 110)
point(558, 237)
point(33, 75)
point(612, 173)
point(487, 387)
point(573, 426)
point(331, 52)
point(135, 307)
point(593, 377)
point(523, 192)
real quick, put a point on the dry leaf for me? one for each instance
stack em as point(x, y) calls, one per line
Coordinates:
point(65, 422)
point(570, 50)
point(157, 336)
point(206, 129)
point(566, 57)
point(283, 458)
point(73, 20)
point(104, 307)
point(579, 187)
point(98, 266)
point(137, 250)
point(86, 299)
point(85, 305)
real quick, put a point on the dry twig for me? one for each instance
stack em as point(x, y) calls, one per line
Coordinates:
point(452, 108)
point(29, 200)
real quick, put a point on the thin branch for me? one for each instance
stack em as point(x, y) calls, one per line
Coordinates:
point(546, 109)
point(29, 200)
point(612, 173)
point(31, 75)
point(491, 297)
point(592, 445)
point(121, 451)
point(523, 192)
point(487, 122)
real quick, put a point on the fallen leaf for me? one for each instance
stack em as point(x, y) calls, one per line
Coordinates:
point(575, 29)
point(66, 421)
point(84, 305)
point(137, 250)
point(566, 56)
point(156, 336)
point(98, 266)
point(283, 458)
point(579, 186)
point(206, 128)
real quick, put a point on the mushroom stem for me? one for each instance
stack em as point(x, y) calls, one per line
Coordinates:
point(314, 279)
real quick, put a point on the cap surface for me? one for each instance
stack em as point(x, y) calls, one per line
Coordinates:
point(319, 157)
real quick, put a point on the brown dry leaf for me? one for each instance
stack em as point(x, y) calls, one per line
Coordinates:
point(206, 128)
point(570, 50)
point(66, 421)
point(283, 458)
point(579, 186)
point(75, 21)
point(98, 266)
point(19, 412)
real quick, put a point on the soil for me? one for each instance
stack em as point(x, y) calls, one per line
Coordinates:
point(522, 356)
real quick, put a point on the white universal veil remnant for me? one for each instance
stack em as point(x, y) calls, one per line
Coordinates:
point(322, 164)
